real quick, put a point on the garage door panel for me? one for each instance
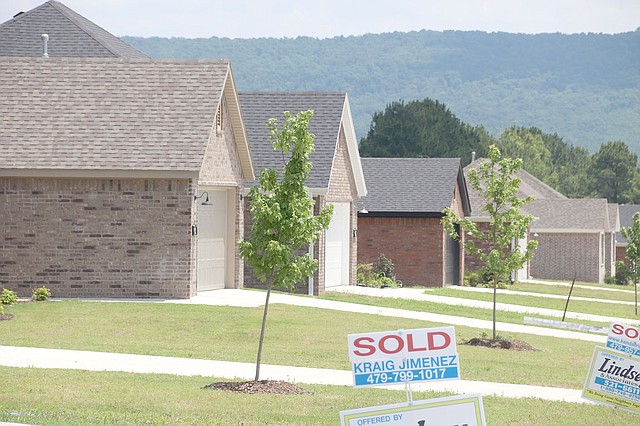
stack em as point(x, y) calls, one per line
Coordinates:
point(337, 252)
point(212, 242)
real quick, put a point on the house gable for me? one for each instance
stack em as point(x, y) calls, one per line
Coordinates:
point(70, 35)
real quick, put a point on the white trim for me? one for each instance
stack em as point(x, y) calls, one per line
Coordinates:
point(352, 148)
point(567, 231)
point(100, 173)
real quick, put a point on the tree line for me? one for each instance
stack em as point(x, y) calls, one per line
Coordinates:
point(582, 86)
point(428, 128)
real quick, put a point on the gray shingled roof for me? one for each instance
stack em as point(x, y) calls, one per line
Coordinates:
point(93, 113)
point(626, 219)
point(530, 185)
point(569, 214)
point(70, 34)
point(259, 107)
point(410, 185)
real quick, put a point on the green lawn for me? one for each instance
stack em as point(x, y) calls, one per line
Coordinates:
point(306, 337)
point(598, 308)
point(299, 336)
point(68, 397)
point(621, 293)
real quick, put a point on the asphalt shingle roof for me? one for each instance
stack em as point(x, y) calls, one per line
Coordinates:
point(626, 219)
point(589, 214)
point(70, 35)
point(409, 185)
point(328, 107)
point(96, 113)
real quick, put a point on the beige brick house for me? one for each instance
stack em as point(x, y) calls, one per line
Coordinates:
point(336, 177)
point(104, 168)
point(575, 236)
point(400, 218)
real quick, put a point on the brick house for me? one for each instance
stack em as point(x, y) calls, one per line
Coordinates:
point(572, 239)
point(104, 168)
point(529, 185)
point(626, 220)
point(400, 218)
point(336, 177)
point(70, 35)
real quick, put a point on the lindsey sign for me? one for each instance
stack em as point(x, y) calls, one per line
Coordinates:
point(392, 357)
point(614, 379)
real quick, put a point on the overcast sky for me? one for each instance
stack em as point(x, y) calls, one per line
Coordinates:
point(329, 18)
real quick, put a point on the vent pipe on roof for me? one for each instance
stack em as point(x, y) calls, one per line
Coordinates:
point(45, 40)
point(473, 156)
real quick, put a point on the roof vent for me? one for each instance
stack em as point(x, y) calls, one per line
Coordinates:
point(45, 40)
point(18, 14)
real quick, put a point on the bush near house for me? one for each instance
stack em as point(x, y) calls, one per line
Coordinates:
point(8, 297)
point(380, 275)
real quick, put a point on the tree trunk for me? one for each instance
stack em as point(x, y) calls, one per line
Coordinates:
point(495, 292)
point(264, 323)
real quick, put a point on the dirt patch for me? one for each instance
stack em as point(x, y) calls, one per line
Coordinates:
point(6, 317)
point(511, 345)
point(276, 387)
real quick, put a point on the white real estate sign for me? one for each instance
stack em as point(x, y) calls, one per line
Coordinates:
point(456, 410)
point(613, 379)
point(393, 357)
point(624, 338)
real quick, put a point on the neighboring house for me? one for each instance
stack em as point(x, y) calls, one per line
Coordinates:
point(336, 177)
point(529, 185)
point(69, 35)
point(571, 235)
point(401, 218)
point(104, 166)
point(626, 220)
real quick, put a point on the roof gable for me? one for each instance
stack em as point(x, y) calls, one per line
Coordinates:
point(110, 114)
point(411, 185)
point(70, 35)
point(331, 113)
point(569, 215)
point(529, 186)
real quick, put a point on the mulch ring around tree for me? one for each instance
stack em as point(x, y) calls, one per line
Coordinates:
point(511, 345)
point(277, 387)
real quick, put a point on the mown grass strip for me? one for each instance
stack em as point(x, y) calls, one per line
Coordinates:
point(66, 397)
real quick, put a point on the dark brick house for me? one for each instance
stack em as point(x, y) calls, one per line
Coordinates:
point(400, 218)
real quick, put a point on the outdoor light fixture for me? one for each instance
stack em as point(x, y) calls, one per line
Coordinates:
point(206, 202)
point(535, 234)
point(364, 211)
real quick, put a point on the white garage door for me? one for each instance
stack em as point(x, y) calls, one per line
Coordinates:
point(337, 253)
point(212, 241)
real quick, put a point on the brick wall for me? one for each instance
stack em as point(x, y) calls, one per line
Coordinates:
point(621, 254)
point(414, 245)
point(97, 237)
point(560, 256)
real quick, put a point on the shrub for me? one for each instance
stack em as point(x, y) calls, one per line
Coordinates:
point(385, 267)
point(622, 273)
point(40, 294)
point(481, 279)
point(8, 297)
point(379, 275)
point(609, 279)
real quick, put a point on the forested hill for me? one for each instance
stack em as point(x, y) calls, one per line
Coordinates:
point(584, 87)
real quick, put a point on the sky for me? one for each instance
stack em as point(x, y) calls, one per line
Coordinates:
point(331, 18)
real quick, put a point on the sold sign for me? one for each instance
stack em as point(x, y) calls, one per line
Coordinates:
point(391, 357)
point(624, 338)
point(401, 343)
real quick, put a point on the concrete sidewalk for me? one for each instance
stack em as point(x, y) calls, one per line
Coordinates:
point(12, 356)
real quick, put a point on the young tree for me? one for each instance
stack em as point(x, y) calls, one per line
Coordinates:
point(283, 219)
point(496, 181)
point(632, 235)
